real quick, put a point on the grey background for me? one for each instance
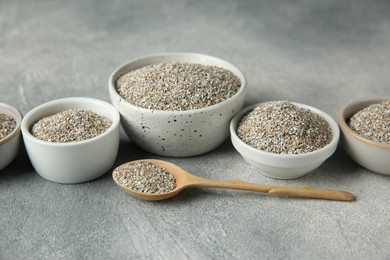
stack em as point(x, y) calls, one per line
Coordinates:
point(321, 53)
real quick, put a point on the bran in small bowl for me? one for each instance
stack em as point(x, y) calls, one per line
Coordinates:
point(284, 140)
point(72, 140)
point(365, 128)
point(10, 137)
point(71, 125)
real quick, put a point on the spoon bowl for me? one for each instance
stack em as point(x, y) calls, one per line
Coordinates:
point(183, 180)
point(186, 180)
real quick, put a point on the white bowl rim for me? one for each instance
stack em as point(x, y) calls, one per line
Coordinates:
point(70, 100)
point(17, 116)
point(332, 123)
point(241, 91)
point(348, 130)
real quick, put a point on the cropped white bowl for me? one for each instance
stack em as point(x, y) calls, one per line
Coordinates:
point(284, 166)
point(9, 145)
point(371, 155)
point(177, 133)
point(73, 162)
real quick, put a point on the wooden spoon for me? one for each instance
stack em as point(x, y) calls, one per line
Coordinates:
point(186, 180)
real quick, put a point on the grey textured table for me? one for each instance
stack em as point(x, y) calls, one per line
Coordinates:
point(321, 53)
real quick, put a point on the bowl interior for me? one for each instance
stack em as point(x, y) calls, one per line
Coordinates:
point(52, 107)
point(288, 159)
point(175, 57)
point(16, 115)
point(352, 108)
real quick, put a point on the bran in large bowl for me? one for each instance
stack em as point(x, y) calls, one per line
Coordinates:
point(182, 103)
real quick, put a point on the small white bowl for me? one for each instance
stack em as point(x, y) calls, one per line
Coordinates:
point(177, 133)
point(9, 145)
point(284, 166)
point(371, 155)
point(73, 162)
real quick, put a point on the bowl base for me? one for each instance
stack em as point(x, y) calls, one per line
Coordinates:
point(280, 172)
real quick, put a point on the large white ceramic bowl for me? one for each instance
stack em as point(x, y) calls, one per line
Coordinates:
point(369, 154)
point(73, 162)
point(284, 166)
point(177, 133)
point(9, 145)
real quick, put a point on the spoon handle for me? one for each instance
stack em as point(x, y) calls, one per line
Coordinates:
point(305, 192)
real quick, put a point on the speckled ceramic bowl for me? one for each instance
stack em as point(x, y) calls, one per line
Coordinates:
point(73, 162)
point(9, 145)
point(177, 133)
point(369, 154)
point(284, 166)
